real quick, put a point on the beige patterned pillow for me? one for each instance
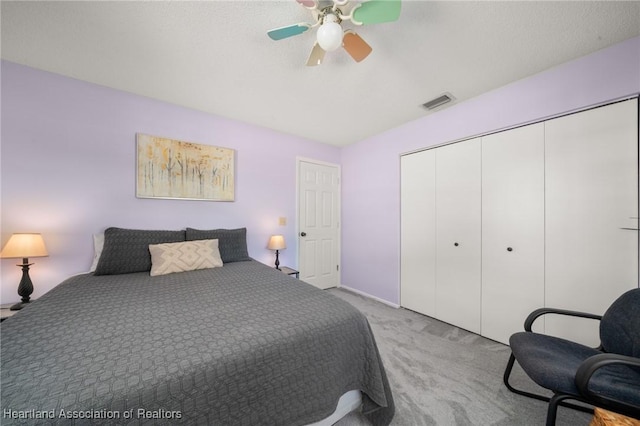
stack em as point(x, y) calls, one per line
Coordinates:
point(167, 258)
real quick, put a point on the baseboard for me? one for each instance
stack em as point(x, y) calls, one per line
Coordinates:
point(369, 296)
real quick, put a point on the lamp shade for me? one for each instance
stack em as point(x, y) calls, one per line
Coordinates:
point(276, 242)
point(24, 246)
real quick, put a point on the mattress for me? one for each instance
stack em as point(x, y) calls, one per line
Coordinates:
point(243, 344)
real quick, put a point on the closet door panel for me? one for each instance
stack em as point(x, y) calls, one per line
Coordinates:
point(458, 195)
point(591, 193)
point(512, 230)
point(418, 232)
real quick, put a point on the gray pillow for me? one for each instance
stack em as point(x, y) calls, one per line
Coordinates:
point(127, 250)
point(232, 243)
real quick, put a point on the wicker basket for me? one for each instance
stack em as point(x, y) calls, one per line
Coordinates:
point(607, 418)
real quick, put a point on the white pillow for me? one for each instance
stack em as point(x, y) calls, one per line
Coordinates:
point(168, 258)
point(98, 244)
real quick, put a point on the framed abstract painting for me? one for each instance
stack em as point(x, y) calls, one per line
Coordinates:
point(174, 169)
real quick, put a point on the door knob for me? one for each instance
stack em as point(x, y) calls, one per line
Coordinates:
point(456, 244)
point(509, 248)
point(303, 234)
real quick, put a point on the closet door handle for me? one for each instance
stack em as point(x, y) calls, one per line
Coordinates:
point(509, 248)
point(456, 244)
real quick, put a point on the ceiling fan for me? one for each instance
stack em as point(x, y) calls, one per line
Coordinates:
point(330, 34)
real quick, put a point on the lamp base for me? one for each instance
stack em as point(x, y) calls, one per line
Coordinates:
point(25, 288)
point(18, 306)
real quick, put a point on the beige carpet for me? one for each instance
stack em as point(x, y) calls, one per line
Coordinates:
point(442, 375)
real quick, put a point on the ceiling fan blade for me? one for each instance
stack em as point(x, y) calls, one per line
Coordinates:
point(376, 12)
point(288, 31)
point(355, 46)
point(316, 56)
point(309, 4)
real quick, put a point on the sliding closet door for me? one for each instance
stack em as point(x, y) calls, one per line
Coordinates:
point(512, 229)
point(418, 232)
point(591, 194)
point(458, 260)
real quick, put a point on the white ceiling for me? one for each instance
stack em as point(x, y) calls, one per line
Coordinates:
point(215, 56)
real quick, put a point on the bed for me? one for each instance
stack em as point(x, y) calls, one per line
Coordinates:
point(240, 344)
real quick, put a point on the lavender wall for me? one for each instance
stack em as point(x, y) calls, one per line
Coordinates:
point(68, 171)
point(371, 169)
point(68, 165)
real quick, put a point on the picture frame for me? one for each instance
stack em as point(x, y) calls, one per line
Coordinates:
point(180, 170)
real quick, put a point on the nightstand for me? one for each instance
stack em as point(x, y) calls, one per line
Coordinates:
point(290, 271)
point(5, 312)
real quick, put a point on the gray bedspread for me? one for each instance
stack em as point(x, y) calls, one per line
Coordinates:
point(239, 345)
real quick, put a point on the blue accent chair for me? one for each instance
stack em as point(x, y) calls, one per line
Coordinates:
point(607, 376)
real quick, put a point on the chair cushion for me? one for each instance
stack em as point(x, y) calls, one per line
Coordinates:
point(620, 325)
point(552, 363)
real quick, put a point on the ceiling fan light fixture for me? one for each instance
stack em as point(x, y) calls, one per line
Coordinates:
point(328, 19)
point(329, 34)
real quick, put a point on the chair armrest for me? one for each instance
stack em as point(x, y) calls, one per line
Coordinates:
point(528, 323)
point(590, 366)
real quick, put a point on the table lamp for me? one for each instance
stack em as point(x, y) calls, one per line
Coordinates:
point(24, 246)
point(276, 242)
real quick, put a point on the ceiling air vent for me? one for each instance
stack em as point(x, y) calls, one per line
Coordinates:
point(438, 102)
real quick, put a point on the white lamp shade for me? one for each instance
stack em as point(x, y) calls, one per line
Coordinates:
point(276, 242)
point(24, 246)
point(329, 34)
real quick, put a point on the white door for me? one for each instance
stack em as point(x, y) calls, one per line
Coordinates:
point(458, 244)
point(418, 232)
point(591, 193)
point(512, 230)
point(318, 219)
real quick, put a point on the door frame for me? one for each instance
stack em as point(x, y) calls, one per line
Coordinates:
point(297, 225)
